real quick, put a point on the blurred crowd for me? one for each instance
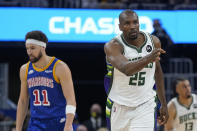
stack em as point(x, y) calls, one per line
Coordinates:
point(96, 121)
point(105, 4)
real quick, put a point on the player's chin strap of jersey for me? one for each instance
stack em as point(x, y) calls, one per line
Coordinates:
point(70, 109)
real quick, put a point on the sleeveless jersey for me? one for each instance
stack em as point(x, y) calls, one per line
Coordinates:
point(136, 89)
point(186, 118)
point(46, 95)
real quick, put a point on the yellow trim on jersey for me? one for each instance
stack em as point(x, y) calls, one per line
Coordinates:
point(110, 66)
point(26, 73)
point(42, 69)
point(107, 111)
point(55, 77)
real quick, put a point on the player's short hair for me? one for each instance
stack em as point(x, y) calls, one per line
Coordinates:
point(127, 13)
point(174, 84)
point(37, 35)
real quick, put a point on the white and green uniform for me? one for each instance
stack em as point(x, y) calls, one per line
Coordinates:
point(131, 104)
point(186, 117)
point(137, 89)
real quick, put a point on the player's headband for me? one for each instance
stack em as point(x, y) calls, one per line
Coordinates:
point(36, 42)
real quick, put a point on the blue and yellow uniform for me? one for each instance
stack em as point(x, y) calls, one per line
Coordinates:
point(47, 102)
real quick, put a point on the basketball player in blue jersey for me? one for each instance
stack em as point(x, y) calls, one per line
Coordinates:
point(133, 69)
point(46, 83)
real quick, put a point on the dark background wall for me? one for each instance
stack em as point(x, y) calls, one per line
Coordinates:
point(87, 64)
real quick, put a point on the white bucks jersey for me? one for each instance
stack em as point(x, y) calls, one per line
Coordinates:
point(186, 117)
point(138, 88)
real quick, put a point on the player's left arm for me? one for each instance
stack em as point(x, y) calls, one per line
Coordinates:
point(160, 86)
point(63, 73)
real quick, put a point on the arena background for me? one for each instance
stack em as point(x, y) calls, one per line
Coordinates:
point(86, 60)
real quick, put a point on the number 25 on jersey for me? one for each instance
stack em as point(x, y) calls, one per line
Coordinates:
point(137, 79)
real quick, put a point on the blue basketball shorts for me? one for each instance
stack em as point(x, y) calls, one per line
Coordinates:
point(53, 124)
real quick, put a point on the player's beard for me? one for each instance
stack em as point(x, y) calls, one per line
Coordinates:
point(35, 59)
point(133, 35)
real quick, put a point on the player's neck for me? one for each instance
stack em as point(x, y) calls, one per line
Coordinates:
point(138, 42)
point(186, 102)
point(43, 61)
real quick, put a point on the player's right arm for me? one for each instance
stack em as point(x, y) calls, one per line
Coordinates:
point(114, 55)
point(23, 101)
point(172, 115)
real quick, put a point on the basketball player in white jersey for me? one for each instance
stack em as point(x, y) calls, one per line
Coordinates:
point(133, 67)
point(183, 108)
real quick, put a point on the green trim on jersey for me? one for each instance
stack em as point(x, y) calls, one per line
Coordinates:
point(151, 40)
point(139, 50)
point(153, 45)
point(120, 44)
point(184, 105)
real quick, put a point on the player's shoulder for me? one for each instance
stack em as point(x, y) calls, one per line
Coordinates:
point(113, 44)
point(156, 41)
point(24, 67)
point(114, 41)
point(61, 70)
point(194, 97)
point(172, 108)
point(61, 65)
point(173, 99)
point(172, 103)
point(24, 70)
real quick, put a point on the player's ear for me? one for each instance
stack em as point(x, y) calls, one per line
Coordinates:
point(120, 27)
point(43, 49)
point(177, 89)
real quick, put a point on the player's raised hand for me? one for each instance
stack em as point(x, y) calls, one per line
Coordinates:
point(163, 115)
point(155, 54)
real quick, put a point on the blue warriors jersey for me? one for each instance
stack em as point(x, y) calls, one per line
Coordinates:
point(46, 95)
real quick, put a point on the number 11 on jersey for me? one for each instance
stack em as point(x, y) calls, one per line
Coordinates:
point(37, 101)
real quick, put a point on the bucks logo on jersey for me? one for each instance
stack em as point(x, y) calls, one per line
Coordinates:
point(187, 120)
